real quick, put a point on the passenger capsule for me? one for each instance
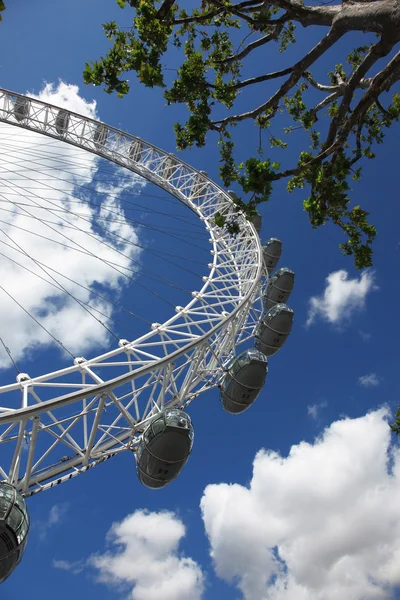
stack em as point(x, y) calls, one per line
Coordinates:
point(14, 528)
point(272, 251)
point(243, 381)
point(165, 447)
point(62, 122)
point(273, 329)
point(21, 109)
point(279, 288)
point(135, 150)
point(169, 167)
point(257, 222)
point(100, 136)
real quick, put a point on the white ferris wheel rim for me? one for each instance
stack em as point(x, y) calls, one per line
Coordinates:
point(219, 316)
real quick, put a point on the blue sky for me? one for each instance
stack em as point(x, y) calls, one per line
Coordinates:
point(320, 496)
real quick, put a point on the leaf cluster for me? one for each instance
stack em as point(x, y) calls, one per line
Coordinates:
point(210, 77)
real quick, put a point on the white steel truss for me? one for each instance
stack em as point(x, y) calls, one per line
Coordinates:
point(60, 424)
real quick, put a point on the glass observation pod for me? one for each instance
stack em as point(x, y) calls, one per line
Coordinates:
point(243, 381)
point(272, 251)
point(273, 329)
point(169, 166)
point(62, 122)
point(100, 136)
point(21, 109)
point(279, 288)
point(14, 528)
point(135, 150)
point(164, 448)
point(199, 185)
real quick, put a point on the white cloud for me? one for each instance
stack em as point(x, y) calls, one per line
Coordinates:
point(34, 189)
point(55, 517)
point(57, 513)
point(341, 298)
point(66, 96)
point(313, 410)
point(145, 557)
point(321, 524)
point(365, 336)
point(371, 380)
point(74, 567)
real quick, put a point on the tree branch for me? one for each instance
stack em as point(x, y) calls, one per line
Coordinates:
point(260, 79)
point(296, 72)
point(381, 82)
point(308, 15)
point(213, 13)
point(375, 53)
point(252, 46)
point(164, 9)
point(328, 100)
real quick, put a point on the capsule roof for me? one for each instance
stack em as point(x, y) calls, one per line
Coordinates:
point(279, 273)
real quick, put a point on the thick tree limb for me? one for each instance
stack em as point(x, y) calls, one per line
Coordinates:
point(308, 15)
point(164, 9)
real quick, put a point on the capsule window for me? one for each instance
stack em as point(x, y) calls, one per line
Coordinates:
point(158, 426)
point(15, 519)
point(4, 507)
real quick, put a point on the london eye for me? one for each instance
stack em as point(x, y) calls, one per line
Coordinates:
point(134, 396)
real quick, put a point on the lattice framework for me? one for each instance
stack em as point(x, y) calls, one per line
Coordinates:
point(60, 424)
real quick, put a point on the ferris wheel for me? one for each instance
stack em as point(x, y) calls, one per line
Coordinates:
point(133, 397)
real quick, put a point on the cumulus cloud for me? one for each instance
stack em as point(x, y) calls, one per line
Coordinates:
point(144, 557)
point(313, 410)
point(341, 298)
point(322, 523)
point(51, 220)
point(371, 380)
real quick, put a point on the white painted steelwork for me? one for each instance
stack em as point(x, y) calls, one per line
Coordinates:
point(60, 424)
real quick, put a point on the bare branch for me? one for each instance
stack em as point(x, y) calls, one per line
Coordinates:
point(358, 142)
point(375, 53)
point(296, 72)
point(381, 82)
point(213, 13)
point(260, 79)
point(319, 86)
point(326, 101)
point(252, 46)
